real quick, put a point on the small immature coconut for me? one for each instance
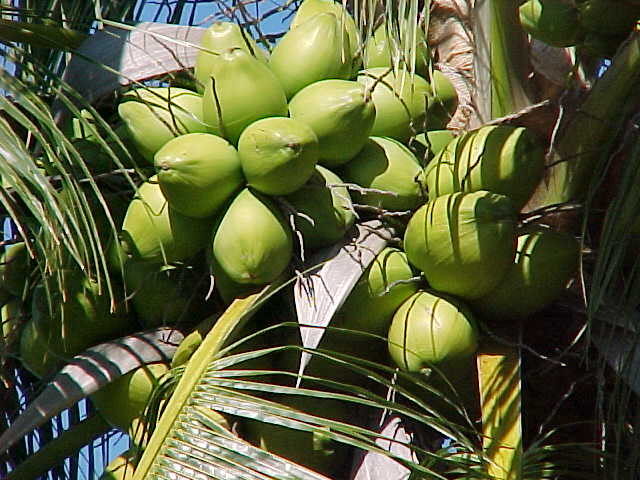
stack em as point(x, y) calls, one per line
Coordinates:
point(278, 155)
point(327, 203)
point(545, 261)
point(383, 287)
point(339, 113)
point(125, 399)
point(310, 8)
point(153, 231)
point(554, 22)
point(252, 243)
point(463, 242)
point(400, 101)
point(198, 173)
point(386, 164)
point(315, 50)
point(154, 115)
point(241, 90)
point(429, 331)
point(500, 158)
point(218, 38)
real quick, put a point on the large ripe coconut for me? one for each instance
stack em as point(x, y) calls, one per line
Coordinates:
point(309, 8)
point(325, 202)
point(317, 49)
point(433, 142)
point(153, 231)
point(400, 100)
point(154, 115)
point(241, 90)
point(218, 38)
point(340, 114)
point(382, 47)
point(383, 287)
point(198, 173)
point(125, 399)
point(387, 165)
point(442, 102)
point(500, 158)
point(463, 242)
point(545, 261)
point(555, 22)
point(278, 155)
point(429, 330)
point(311, 449)
point(252, 243)
point(15, 266)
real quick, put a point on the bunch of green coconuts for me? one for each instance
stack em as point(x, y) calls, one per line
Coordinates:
point(275, 155)
point(597, 26)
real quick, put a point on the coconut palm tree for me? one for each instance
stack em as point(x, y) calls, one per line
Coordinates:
point(562, 381)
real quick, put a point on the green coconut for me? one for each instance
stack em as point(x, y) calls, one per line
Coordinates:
point(400, 102)
point(463, 242)
point(554, 22)
point(198, 173)
point(160, 295)
point(383, 287)
point(310, 8)
point(545, 262)
point(340, 114)
point(606, 17)
point(125, 399)
point(430, 331)
point(278, 154)
point(241, 90)
point(312, 449)
point(153, 231)
point(218, 38)
point(442, 101)
point(500, 158)
point(433, 142)
point(326, 202)
point(252, 243)
point(384, 46)
point(317, 49)
point(154, 115)
point(387, 165)
point(15, 266)
point(76, 317)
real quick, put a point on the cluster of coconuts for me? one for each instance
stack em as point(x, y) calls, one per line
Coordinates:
point(272, 155)
point(599, 26)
